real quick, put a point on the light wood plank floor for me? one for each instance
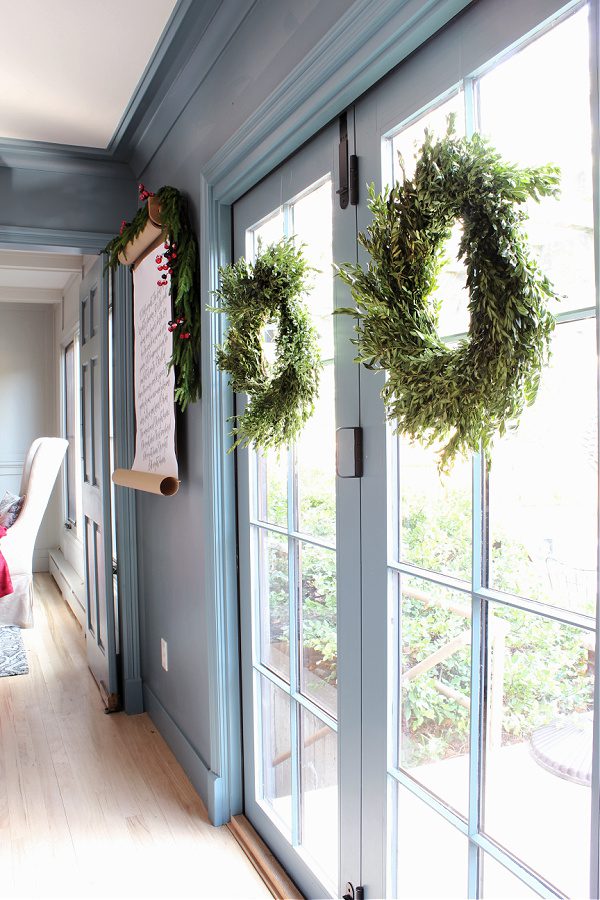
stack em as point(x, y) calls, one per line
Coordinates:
point(95, 805)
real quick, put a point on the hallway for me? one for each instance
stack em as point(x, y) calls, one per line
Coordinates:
point(94, 805)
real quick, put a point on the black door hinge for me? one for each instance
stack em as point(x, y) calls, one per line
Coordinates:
point(348, 186)
point(353, 893)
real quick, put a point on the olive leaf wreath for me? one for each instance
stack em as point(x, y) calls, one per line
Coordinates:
point(283, 394)
point(459, 396)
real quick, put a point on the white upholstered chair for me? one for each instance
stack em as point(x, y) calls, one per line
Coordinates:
point(42, 465)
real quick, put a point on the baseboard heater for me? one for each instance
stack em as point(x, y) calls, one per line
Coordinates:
point(69, 582)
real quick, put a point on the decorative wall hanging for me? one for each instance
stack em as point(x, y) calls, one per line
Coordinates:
point(161, 247)
point(283, 393)
point(164, 219)
point(459, 396)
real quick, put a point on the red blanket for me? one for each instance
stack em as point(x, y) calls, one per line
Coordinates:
point(5, 582)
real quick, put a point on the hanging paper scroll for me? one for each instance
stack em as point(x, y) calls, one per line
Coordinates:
point(155, 463)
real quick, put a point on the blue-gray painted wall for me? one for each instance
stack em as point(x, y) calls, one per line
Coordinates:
point(270, 42)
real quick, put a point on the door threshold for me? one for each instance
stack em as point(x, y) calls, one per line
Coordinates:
point(270, 870)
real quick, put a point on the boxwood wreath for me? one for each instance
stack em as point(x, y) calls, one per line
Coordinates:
point(177, 262)
point(459, 396)
point(252, 295)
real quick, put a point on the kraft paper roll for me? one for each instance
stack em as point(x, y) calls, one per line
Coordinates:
point(167, 485)
point(152, 234)
point(154, 210)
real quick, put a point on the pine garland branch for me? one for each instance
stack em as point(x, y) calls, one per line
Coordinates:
point(184, 287)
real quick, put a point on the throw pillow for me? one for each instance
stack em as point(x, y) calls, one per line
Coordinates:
point(10, 507)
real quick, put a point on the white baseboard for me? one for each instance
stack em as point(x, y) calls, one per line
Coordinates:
point(69, 582)
point(41, 559)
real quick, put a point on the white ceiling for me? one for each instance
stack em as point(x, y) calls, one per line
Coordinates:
point(27, 277)
point(68, 68)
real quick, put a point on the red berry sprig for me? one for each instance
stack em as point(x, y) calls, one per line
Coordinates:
point(124, 225)
point(174, 324)
point(165, 262)
point(144, 194)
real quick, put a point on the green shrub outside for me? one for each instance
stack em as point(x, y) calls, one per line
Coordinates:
point(547, 669)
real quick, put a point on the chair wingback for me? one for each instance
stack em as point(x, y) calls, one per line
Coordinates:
point(42, 465)
point(27, 465)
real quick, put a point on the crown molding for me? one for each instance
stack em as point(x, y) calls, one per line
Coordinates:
point(64, 158)
point(30, 295)
point(182, 33)
point(50, 239)
point(367, 42)
point(182, 79)
point(44, 262)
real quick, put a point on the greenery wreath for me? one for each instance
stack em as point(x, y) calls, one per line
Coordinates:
point(179, 259)
point(458, 396)
point(282, 394)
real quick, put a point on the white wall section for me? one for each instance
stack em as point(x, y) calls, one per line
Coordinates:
point(28, 403)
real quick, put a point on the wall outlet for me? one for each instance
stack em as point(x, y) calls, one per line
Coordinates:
point(164, 655)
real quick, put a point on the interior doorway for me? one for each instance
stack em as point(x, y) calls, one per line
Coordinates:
point(42, 390)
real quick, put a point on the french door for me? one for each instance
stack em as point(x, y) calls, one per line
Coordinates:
point(419, 654)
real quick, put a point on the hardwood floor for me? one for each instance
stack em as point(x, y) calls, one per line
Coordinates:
point(95, 805)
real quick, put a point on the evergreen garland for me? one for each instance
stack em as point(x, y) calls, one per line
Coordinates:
point(184, 285)
point(282, 396)
point(459, 396)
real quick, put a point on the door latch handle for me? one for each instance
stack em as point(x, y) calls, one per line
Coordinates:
point(353, 893)
point(349, 452)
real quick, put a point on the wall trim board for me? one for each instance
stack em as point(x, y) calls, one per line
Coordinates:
point(63, 158)
point(367, 42)
point(133, 696)
point(12, 465)
point(125, 508)
point(41, 559)
point(219, 512)
point(379, 34)
point(30, 295)
point(7, 469)
point(16, 237)
point(206, 782)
